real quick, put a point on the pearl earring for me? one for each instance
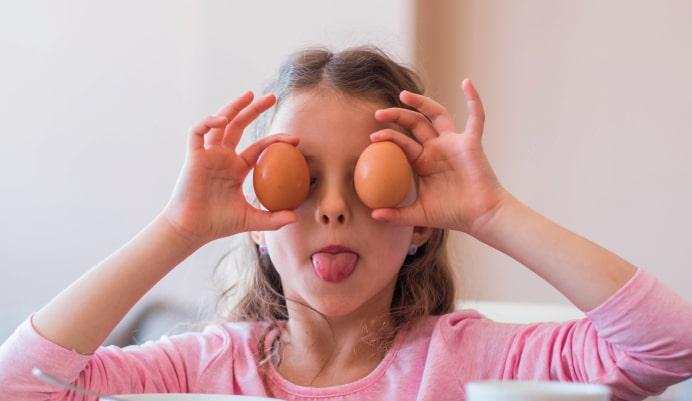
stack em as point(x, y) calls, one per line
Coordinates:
point(412, 249)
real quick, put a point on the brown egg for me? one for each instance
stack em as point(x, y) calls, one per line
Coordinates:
point(281, 177)
point(382, 176)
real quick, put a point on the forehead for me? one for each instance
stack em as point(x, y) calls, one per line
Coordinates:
point(331, 127)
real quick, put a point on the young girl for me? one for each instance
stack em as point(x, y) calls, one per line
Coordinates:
point(377, 320)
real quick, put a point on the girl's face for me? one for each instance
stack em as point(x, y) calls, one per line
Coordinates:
point(333, 132)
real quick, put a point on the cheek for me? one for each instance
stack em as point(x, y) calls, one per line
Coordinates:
point(388, 245)
point(286, 244)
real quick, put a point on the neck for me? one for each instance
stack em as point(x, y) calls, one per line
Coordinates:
point(332, 347)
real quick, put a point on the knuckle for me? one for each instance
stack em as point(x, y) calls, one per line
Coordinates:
point(424, 119)
point(421, 118)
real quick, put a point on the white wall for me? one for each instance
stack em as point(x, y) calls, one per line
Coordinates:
point(96, 101)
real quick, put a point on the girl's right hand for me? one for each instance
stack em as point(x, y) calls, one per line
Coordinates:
point(208, 202)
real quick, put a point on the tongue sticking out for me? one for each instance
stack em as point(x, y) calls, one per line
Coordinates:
point(334, 267)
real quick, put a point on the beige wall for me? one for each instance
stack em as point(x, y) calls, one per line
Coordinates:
point(589, 117)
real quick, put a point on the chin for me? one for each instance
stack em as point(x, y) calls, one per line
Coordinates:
point(332, 304)
point(337, 307)
point(342, 298)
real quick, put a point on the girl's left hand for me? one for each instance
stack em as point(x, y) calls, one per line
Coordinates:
point(458, 188)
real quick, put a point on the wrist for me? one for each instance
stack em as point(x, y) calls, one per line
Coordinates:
point(484, 223)
point(180, 237)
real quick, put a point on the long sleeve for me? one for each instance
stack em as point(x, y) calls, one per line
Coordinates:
point(170, 364)
point(639, 342)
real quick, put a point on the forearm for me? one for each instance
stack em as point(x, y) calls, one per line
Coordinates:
point(586, 273)
point(84, 314)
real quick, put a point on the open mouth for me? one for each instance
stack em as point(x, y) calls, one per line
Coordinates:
point(334, 267)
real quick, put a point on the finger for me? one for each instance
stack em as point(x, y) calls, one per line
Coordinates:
point(253, 152)
point(402, 216)
point(237, 125)
point(229, 111)
point(196, 135)
point(412, 120)
point(262, 220)
point(411, 148)
point(476, 119)
point(437, 113)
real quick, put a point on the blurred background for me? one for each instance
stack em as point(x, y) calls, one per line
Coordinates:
point(588, 121)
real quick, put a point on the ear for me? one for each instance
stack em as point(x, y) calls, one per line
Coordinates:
point(257, 237)
point(421, 235)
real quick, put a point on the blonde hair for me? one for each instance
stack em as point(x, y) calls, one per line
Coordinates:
point(425, 283)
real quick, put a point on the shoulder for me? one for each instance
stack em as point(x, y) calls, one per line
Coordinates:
point(460, 320)
point(235, 334)
point(215, 343)
point(456, 341)
point(439, 330)
point(468, 341)
point(469, 328)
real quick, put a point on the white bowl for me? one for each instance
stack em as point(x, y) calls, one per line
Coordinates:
point(189, 397)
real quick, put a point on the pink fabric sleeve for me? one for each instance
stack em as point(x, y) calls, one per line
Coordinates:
point(639, 342)
point(170, 364)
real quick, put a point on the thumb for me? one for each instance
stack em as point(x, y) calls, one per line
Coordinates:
point(262, 220)
point(403, 216)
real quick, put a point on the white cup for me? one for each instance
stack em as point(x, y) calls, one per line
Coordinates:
point(521, 390)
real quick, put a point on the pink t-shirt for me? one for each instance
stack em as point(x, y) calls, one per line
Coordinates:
point(639, 342)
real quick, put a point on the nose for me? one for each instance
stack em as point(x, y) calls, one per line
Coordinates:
point(332, 208)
